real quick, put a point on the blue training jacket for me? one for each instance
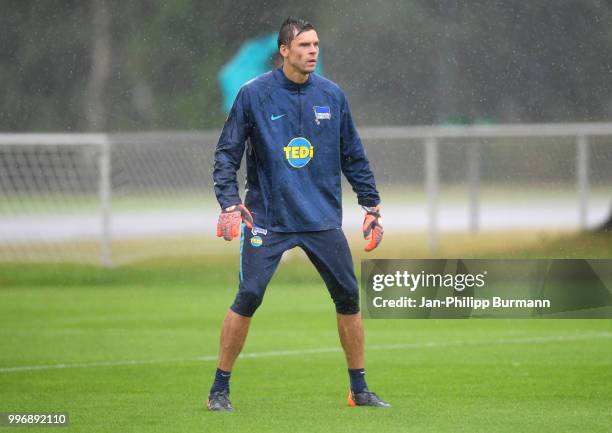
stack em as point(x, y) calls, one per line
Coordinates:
point(299, 138)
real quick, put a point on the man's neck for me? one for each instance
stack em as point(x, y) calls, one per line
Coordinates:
point(294, 75)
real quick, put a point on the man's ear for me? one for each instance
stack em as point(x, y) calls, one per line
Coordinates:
point(284, 50)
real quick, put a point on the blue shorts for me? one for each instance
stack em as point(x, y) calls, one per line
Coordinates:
point(328, 250)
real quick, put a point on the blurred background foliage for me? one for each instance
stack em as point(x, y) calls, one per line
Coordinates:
point(74, 65)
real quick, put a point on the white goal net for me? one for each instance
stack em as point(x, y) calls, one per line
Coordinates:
point(97, 198)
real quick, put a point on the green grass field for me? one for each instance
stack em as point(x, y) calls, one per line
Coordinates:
point(133, 349)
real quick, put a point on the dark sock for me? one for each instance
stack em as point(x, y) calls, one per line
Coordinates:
point(222, 379)
point(358, 382)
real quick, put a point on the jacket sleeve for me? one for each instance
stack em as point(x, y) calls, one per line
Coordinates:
point(355, 165)
point(229, 151)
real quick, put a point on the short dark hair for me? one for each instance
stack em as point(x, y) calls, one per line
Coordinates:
point(288, 29)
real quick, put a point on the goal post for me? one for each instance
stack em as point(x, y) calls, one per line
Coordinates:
point(73, 197)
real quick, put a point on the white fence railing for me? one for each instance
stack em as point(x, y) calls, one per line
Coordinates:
point(430, 135)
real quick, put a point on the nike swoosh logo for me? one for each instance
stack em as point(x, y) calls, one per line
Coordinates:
point(273, 117)
point(225, 375)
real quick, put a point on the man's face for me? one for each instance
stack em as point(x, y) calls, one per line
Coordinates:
point(302, 52)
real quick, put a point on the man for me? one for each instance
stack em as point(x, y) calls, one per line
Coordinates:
point(299, 137)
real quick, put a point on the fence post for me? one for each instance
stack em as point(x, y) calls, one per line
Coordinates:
point(473, 160)
point(582, 179)
point(104, 190)
point(432, 181)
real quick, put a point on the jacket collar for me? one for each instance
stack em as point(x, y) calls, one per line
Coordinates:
point(286, 83)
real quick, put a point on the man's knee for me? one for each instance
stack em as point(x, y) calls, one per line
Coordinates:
point(246, 303)
point(347, 303)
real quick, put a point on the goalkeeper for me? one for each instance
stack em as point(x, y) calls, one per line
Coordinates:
point(299, 137)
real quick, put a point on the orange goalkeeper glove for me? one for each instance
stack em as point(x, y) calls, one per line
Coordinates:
point(230, 218)
point(372, 227)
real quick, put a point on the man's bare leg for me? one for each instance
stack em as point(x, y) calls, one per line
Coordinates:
point(233, 335)
point(350, 330)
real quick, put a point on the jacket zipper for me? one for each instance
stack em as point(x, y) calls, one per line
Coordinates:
point(300, 107)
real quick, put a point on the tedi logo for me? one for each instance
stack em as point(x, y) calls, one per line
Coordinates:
point(299, 152)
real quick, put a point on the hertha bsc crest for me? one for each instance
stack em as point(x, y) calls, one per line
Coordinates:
point(321, 113)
